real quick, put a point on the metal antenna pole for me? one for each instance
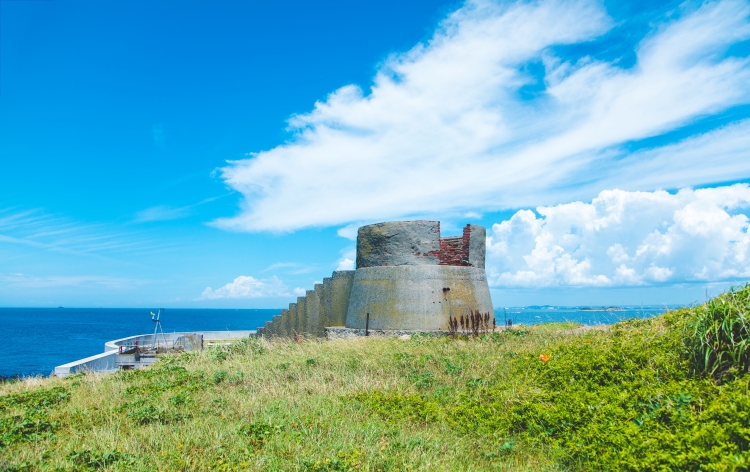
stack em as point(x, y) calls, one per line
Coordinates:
point(155, 319)
point(163, 336)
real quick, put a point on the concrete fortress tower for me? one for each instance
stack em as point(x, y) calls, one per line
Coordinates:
point(407, 278)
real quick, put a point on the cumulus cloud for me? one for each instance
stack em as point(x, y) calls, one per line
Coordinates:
point(346, 264)
point(447, 127)
point(246, 286)
point(348, 255)
point(626, 238)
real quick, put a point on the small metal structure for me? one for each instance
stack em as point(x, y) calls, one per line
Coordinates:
point(156, 318)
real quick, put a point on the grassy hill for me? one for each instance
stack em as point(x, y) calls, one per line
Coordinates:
point(670, 393)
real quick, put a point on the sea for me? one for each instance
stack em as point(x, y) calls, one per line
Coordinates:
point(35, 340)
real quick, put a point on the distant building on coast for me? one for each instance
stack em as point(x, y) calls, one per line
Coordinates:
point(407, 279)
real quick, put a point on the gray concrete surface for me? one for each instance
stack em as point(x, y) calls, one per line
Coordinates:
point(398, 243)
point(341, 286)
point(412, 297)
point(477, 246)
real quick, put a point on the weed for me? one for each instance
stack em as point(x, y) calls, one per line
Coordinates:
point(155, 414)
point(258, 433)
point(421, 379)
point(87, 459)
point(35, 400)
point(220, 376)
point(452, 368)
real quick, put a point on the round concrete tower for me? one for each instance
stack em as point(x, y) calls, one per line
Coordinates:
point(409, 278)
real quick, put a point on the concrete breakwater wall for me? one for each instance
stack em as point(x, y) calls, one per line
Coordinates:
point(117, 353)
point(408, 278)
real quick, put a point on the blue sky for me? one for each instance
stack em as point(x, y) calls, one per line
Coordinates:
point(151, 150)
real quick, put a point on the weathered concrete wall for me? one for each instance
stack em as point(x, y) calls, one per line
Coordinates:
point(412, 297)
point(285, 322)
point(314, 323)
point(341, 286)
point(418, 243)
point(350, 333)
point(104, 362)
point(325, 301)
point(477, 245)
point(292, 318)
point(301, 315)
point(276, 325)
point(398, 243)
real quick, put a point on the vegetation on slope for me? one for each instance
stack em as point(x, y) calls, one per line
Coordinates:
point(669, 393)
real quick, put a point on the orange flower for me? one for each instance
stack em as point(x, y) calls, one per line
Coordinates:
point(544, 357)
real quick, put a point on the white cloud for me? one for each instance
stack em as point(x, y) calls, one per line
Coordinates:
point(717, 156)
point(248, 287)
point(625, 238)
point(444, 128)
point(348, 256)
point(346, 264)
point(299, 291)
point(349, 231)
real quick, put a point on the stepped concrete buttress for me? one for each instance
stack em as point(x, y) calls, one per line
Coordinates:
point(408, 278)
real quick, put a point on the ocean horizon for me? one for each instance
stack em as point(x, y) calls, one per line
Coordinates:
point(38, 339)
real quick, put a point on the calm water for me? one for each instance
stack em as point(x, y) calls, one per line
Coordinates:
point(38, 339)
point(35, 340)
point(595, 316)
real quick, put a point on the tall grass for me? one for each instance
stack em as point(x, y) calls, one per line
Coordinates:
point(716, 335)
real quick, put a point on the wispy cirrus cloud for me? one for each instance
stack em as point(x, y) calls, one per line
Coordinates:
point(166, 212)
point(40, 230)
point(294, 268)
point(450, 126)
point(49, 281)
point(161, 213)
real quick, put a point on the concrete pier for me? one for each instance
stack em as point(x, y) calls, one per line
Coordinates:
point(117, 354)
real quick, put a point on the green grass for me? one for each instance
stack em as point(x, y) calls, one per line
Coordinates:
point(634, 397)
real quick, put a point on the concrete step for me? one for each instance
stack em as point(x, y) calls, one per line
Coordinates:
point(325, 305)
